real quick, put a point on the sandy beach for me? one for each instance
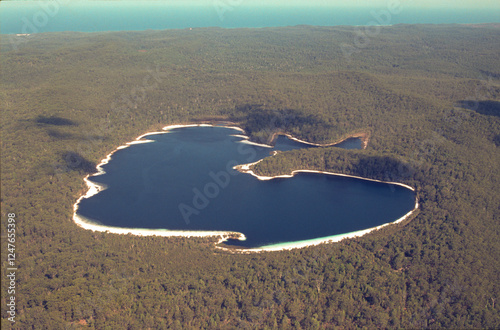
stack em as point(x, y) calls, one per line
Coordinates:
point(95, 188)
point(246, 168)
point(329, 239)
point(363, 136)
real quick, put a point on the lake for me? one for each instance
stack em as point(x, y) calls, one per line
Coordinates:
point(184, 180)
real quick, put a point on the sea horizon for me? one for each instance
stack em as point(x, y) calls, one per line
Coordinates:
point(29, 17)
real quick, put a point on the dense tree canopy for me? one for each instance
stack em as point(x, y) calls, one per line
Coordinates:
point(427, 96)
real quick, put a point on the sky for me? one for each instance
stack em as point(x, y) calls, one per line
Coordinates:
point(375, 3)
point(423, 4)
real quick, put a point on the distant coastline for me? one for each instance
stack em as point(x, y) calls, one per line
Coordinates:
point(95, 188)
point(22, 17)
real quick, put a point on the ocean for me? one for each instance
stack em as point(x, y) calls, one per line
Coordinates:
point(27, 17)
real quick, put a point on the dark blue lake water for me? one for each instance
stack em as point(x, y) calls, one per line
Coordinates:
point(185, 180)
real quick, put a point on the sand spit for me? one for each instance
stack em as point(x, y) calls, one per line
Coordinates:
point(246, 168)
point(91, 225)
point(95, 188)
point(247, 141)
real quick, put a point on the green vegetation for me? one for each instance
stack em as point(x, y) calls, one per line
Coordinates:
point(428, 95)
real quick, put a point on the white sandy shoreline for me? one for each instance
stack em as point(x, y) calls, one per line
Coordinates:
point(95, 188)
point(246, 168)
point(323, 240)
point(364, 141)
point(90, 225)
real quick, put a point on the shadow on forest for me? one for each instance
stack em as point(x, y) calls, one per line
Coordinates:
point(256, 119)
point(54, 120)
point(76, 162)
point(490, 74)
point(51, 125)
point(384, 168)
point(58, 135)
point(489, 108)
point(496, 140)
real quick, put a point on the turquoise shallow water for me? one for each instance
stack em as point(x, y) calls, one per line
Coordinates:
point(185, 181)
point(90, 16)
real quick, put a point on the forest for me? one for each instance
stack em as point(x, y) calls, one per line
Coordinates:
point(427, 96)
